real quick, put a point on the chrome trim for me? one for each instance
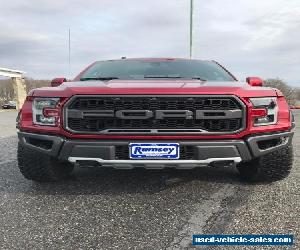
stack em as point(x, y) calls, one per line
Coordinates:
point(202, 113)
point(153, 131)
point(155, 164)
point(156, 131)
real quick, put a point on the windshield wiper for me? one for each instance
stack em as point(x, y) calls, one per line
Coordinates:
point(154, 76)
point(175, 77)
point(199, 78)
point(98, 78)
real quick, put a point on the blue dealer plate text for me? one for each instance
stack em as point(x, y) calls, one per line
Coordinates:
point(154, 151)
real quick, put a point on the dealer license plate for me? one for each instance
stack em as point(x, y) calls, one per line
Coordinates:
point(154, 151)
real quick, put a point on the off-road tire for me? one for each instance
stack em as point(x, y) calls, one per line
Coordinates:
point(41, 167)
point(271, 167)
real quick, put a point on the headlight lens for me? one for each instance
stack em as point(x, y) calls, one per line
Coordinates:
point(271, 107)
point(40, 111)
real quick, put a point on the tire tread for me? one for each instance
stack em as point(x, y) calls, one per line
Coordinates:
point(41, 167)
point(271, 167)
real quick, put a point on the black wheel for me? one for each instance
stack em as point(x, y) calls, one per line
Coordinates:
point(271, 167)
point(41, 167)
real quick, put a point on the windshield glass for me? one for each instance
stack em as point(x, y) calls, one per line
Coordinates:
point(143, 69)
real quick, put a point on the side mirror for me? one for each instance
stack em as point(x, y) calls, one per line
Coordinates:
point(254, 81)
point(57, 81)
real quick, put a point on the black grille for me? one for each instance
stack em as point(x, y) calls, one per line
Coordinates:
point(154, 103)
point(96, 124)
point(186, 152)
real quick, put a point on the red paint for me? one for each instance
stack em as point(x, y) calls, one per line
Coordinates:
point(154, 87)
point(242, 90)
point(283, 124)
point(254, 81)
point(58, 81)
point(50, 112)
point(259, 112)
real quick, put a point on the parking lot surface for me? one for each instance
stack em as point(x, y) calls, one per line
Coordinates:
point(139, 209)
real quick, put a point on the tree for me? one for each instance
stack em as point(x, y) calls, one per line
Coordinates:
point(7, 91)
point(297, 94)
point(33, 84)
point(287, 91)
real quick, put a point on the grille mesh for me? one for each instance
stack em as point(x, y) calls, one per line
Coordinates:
point(154, 103)
point(96, 124)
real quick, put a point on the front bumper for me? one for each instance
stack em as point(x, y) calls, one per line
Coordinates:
point(103, 152)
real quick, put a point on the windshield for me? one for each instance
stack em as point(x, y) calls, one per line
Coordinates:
point(143, 69)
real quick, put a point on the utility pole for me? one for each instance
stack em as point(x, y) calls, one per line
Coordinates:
point(69, 53)
point(191, 27)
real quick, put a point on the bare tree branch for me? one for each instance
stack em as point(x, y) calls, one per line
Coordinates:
point(289, 92)
point(7, 91)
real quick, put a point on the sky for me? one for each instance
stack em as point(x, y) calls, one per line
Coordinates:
point(249, 37)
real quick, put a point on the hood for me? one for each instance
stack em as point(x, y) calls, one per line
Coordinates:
point(155, 87)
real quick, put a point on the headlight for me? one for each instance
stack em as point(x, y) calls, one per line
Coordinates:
point(44, 111)
point(269, 105)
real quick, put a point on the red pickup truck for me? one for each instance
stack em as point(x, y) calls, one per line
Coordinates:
point(155, 113)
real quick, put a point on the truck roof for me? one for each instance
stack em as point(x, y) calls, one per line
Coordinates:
point(154, 59)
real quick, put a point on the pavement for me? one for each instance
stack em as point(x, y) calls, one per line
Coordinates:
point(7, 123)
point(139, 209)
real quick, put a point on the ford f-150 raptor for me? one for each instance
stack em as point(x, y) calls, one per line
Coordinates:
point(155, 113)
